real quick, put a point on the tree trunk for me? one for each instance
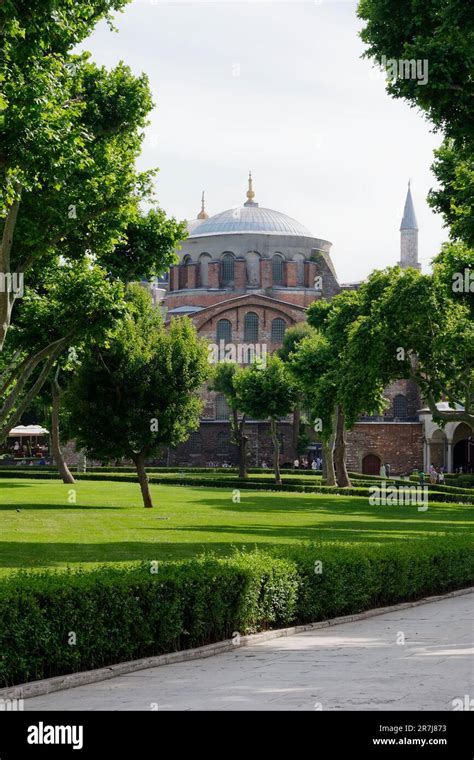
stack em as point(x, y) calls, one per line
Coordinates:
point(342, 476)
point(296, 427)
point(328, 456)
point(241, 442)
point(7, 297)
point(63, 469)
point(139, 461)
point(276, 452)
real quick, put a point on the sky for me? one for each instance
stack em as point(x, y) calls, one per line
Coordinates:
point(278, 87)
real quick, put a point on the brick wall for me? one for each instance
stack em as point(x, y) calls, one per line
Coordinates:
point(399, 444)
point(214, 274)
point(214, 446)
point(240, 274)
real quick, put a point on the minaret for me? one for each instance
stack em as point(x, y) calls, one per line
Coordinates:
point(409, 235)
point(250, 194)
point(202, 214)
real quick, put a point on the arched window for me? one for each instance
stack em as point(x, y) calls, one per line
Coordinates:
point(195, 443)
point(277, 269)
point(222, 407)
point(227, 275)
point(251, 327)
point(400, 410)
point(278, 330)
point(224, 330)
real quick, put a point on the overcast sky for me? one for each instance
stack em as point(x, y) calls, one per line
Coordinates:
point(279, 88)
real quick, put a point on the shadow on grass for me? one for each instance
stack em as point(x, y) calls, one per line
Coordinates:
point(331, 506)
point(40, 507)
point(8, 484)
point(29, 555)
point(354, 532)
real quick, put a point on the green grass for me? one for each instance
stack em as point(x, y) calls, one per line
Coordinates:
point(108, 524)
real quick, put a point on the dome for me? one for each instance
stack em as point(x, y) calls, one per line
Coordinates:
point(250, 218)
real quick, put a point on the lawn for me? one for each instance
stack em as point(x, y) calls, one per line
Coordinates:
point(108, 524)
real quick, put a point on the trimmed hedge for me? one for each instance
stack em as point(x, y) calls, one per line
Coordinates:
point(120, 614)
point(453, 496)
point(123, 614)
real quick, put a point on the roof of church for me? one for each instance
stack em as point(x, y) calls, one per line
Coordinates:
point(250, 218)
point(247, 218)
point(409, 218)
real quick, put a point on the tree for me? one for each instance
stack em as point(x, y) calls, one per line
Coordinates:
point(71, 303)
point(224, 381)
point(267, 393)
point(309, 363)
point(139, 393)
point(292, 337)
point(454, 197)
point(430, 342)
point(147, 249)
point(440, 34)
point(69, 134)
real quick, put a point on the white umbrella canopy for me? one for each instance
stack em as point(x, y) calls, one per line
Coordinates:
point(26, 430)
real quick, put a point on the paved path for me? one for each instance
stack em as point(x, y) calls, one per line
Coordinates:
point(352, 666)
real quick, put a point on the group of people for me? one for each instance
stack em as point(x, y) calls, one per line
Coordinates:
point(29, 450)
point(305, 464)
point(436, 475)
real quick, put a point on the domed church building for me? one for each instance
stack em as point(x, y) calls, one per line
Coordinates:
point(244, 276)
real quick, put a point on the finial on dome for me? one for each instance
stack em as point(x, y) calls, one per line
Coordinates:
point(202, 214)
point(250, 194)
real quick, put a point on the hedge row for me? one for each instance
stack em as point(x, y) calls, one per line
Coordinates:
point(61, 622)
point(458, 497)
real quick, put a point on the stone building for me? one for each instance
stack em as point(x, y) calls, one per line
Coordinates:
point(244, 276)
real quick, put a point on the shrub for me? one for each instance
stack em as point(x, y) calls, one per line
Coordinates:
point(120, 614)
point(358, 577)
point(127, 613)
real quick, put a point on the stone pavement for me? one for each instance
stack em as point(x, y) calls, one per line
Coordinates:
point(352, 666)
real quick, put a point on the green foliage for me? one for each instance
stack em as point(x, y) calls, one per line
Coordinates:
point(355, 578)
point(140, 392)
point(126, 614)
point(223, 381)
point(441, 32)
point(148, 248)
point(454, 197)
point(75, 299)
point(266, 392)
point(437, 329)
point(292, 337)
